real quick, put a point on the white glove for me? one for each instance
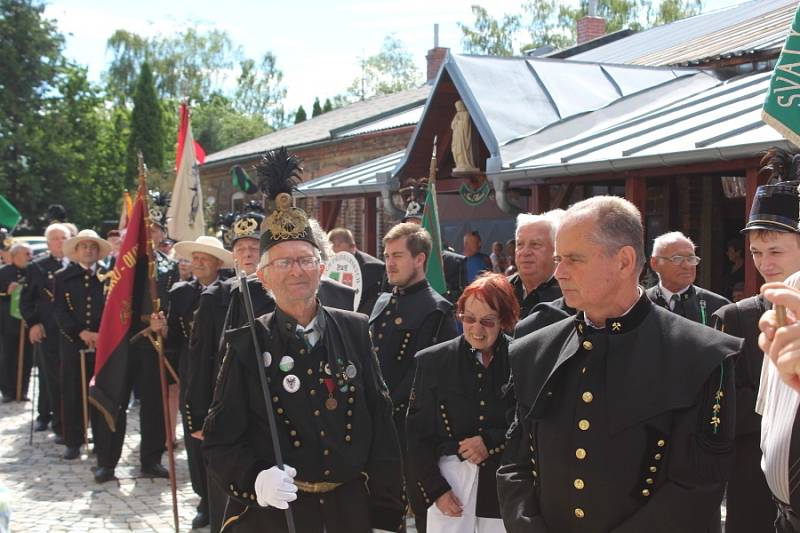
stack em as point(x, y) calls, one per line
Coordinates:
point(275, 487)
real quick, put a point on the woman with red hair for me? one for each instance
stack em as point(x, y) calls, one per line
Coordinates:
point(457, 416)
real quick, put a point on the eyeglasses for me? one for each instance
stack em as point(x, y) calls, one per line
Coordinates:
point(485, 322)
point(693, 260)
point(285, 264)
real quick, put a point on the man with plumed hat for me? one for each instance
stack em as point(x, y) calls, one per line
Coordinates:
point(774, 241)
point(36, 304)
point(142, 371)
point(12, 279)
point(208, 256)
point(342, 465)
point(80, 294)
point(625, 413)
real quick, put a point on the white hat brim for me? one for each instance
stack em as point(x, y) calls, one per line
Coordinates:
point(185, 249)
point(70, 245)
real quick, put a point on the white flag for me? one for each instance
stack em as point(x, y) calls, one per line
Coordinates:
point(185, 218)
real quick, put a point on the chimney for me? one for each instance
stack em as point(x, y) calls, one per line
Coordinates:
point(436, 55)
point(591, 26)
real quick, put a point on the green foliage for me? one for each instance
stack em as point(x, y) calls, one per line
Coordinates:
point(259, 91)
point(300, 115)
point(147, 128)
point(316, 110)
point(389, 71)
point(328, 106)
point(216, 124)
point(672, 10)
point(490, 36)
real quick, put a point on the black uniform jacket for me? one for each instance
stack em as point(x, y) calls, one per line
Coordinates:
point(542, 315)
point(79, 301)
point(38, 296)
point(691, 303)
point(740, 319)
point(628, 429)
point(373, 273)
point(454, 398)
point(334, 294)
point(354, 443)
point(546, 292)
point(184, 297)
point(9, 326)
point(455, 274)
point(403, 322)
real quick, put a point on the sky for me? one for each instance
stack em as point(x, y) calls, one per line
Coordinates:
point(318, 43)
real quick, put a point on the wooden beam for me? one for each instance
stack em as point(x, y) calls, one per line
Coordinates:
point(563, 195)
point(329, 212)
point(752, 279)
point(370, 226)
point(636, 193)
point(539, 201)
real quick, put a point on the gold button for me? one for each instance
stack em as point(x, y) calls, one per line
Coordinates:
point(327, 472)
point(583, 370)
point(348, 438)
point(297, 444)
point(583, 424)
point(649, 481)
point(398, 320)
point(587, 397)
point(653, 469)
point(483, 403)
point(535, 473)
point(580, 453)
point(657, 457)
point(316, 412)
point(326, 452)
point(579, 513)
point(587, 345)
point(293, 433)
point(646, 492)
point(661, 443)
point(578, 483)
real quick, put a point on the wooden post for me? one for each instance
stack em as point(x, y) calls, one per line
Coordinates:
point(370, 225)
point(752, 279)
point(540, 199)
point(636, 193)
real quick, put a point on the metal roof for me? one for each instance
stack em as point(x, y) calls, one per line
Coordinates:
point(377, 110)
point(403, 118)
point(746, 28)
point(369, 177)
point(717, 123)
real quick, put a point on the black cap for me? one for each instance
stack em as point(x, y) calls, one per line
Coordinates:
point(414, 195)
point(775, 208)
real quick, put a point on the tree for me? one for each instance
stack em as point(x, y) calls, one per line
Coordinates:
point(30, 47)
point(316, 110)
point(389, 71)
point(328, 106)
point(672, 10)
point(259, 90)
point(490, 36)
point(216, 124)
point(147, 132)
point(300, 116)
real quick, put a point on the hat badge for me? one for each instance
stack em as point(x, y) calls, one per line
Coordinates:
point(245, 226)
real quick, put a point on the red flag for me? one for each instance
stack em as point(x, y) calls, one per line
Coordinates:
point(126, 301)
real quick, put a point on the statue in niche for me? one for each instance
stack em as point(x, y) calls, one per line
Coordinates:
point(462, 140)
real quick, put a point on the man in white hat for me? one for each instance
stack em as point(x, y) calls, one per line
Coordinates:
point(79, 301)
point(208, 256)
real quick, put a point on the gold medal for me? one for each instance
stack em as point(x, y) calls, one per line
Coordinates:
point(331, 403)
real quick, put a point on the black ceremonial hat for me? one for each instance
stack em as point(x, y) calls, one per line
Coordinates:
point(278, 176)
point(775, 208)
point(246, 224)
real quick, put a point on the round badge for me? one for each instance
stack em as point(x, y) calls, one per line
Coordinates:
point(267, 358)
point(350, 371)
point(291, 383)
point(328, 369)
point(286, 364)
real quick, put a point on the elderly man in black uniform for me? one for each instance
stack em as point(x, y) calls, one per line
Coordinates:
point(675, 262)
point(208, 256)
point(79, 301)
point(534, 281)
point(625, 414)
point(372, 269)
point(342, 459)
point(13, 278)
point(775, 246)
point(142, 371)
point(37, 307)
point(410, 318)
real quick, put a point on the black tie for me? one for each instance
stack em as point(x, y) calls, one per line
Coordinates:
point(677, 305)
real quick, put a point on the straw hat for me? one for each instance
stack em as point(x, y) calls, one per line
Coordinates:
point(86, 235)
point(207, 245)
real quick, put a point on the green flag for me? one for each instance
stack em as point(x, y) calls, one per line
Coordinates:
point(9, 216)
point(782, 106)
point(430, 221)
point(14, 307)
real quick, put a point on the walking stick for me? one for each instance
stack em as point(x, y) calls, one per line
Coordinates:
point(20, 359)
point(247, 299)
point(35, 375)
point(85, 400)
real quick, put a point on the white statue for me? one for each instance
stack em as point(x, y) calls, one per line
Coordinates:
point(462, 140)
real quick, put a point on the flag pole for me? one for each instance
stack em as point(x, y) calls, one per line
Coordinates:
point(20, 359)
point(159, 345)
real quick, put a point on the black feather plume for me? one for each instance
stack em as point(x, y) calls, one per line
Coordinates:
point(779, 165)
point(278, 172)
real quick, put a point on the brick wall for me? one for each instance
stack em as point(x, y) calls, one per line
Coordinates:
point(591, 28)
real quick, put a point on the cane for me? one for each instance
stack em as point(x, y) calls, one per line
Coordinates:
point(85, 400)
point(35, 375)
point(20, 359)
point(244, 289)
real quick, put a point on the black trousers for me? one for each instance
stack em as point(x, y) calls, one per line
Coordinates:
point(417, 506)
point(72, 396)
point(142, 370)
point(10, 361)
point(47, 359)
point(749, 506)
point(194, 447)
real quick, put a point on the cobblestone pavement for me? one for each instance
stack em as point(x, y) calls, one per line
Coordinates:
point(49, 494)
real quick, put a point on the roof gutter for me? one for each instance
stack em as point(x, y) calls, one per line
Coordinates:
point(522, 176)
point(389, 184)
point(501, 188)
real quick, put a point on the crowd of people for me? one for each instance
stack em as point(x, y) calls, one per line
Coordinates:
point(546, 390)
